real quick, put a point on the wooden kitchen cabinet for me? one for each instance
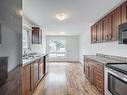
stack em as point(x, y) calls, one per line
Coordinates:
point(94, 34)
point(36, 73)
point(107, 33)
point(115, 22)
point(124, 12)
point(107, 28)
point(41, 68)
point(100, 78)
point(32, 74)
point(94, 72)
point(98, 32)
point(27, 80)
point(36, 35)
point(86, 70)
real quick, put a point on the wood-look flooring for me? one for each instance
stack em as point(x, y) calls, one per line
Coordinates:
point(65, 79)
point(13, 85)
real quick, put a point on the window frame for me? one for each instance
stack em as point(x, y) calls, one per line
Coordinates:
point(28, 38)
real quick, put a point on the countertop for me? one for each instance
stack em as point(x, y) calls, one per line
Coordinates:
point(104, 60)
point(30, 60)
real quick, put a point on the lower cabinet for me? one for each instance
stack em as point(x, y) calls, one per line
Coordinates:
point(36, 73)
point(32, 74)
point(27, 80)
point(94, 72)
point(41, 68)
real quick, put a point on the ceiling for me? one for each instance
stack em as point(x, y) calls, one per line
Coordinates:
point(82, 14)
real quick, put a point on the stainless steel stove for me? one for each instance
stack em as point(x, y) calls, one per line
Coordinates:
point(116, 79)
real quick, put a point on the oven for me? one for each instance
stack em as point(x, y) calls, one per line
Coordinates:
point(123, 33)
point(115, 82)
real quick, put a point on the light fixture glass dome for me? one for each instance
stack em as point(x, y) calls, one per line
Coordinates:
point(61, 16)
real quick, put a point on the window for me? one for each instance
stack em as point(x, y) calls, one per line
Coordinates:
point(57, 48)
point(25, 39)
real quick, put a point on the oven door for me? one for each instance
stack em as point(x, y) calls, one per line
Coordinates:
point(116, 83)
point(124, 36)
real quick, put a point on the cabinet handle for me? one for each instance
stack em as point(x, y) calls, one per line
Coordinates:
point(110, 36)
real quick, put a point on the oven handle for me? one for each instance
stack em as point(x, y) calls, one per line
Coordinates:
point(117, 74)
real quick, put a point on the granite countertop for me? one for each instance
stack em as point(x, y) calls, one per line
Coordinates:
point(31, 60)
point(105, 60)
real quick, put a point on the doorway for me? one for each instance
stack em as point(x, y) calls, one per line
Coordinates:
point(63, 48)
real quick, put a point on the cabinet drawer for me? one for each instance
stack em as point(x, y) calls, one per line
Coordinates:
point(100, 86)
point(100, 77)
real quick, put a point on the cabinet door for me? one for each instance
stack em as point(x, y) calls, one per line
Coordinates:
point(95, 33)
point(115, 22)
point(86, 70)
point(36, 35)
point(36, 77)
point(92, 34)
point(100, 78)
point(95, 75)
point(99, 31)
point(91, 73)
point(106, 28)
point(35, 74)
point(41, 69)
point(40, 36)
point(124, 12)
point(26, 80)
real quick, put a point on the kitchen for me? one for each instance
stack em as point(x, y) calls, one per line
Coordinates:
point(60, 48)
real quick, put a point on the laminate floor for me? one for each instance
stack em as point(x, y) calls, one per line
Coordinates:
point(13, 85)
point(65, 79)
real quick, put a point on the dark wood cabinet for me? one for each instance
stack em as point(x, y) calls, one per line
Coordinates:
point(98, 32)
point(41, 68)
point(32, 74)
point(106, 29)
point(36, 35)
point(100, 78)
point(94, 72)
point(27, 80)
point(124, 12)
point(115, 22)
point(30, 78)
point(36, 74)
point(94, 34)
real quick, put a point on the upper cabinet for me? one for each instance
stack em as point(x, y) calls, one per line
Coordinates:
point(36, 35)
point(93, 34)
point(106, 29)
point(115, 22)
point(124, 12)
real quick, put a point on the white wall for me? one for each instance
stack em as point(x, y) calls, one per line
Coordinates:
point(110, 48)
point(11, 28)
point(38, 48)
point(72, 48)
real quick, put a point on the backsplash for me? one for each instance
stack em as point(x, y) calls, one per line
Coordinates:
point(112, 57)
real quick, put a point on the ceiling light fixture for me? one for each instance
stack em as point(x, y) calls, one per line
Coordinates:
point(61, 16)
point(62, 32)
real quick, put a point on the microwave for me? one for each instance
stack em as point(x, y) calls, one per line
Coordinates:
point(123, 33)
